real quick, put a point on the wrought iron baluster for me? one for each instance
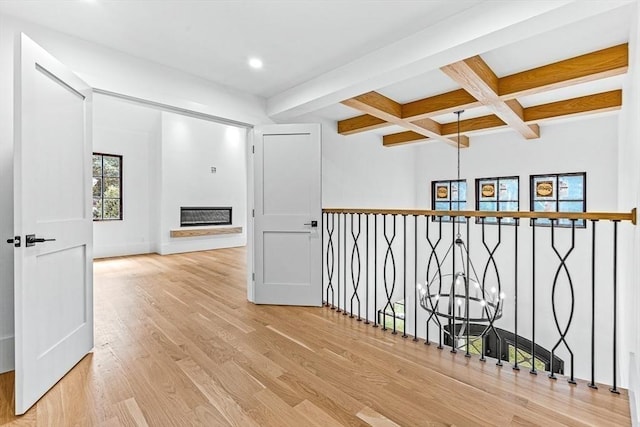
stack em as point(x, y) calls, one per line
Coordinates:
point(426, 291)
point(366, 298)
point(498, 308)
point(344, 271)
point(375, 270)
point(515, 296)
point(467, 283)
point(415, 277)
point(614, 389)
point(338, 272)
point(325, 260)
point(389, 255)
point(330, 257)
point(452, 291)
point(404, 289)
point(355, 251)
point(592, 384)
point(533, 298)
point(562, 266)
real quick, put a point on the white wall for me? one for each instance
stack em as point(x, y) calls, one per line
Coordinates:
point(130, 131)
point(190, 147)
point(629, 197)
point(106, 69)
point(6, 197)
point(357, 171)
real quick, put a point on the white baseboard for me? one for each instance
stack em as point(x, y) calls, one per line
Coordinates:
point(121, 250)
point(182, 245)
point(7, 354)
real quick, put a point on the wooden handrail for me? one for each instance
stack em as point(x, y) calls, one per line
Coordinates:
point(607, 216)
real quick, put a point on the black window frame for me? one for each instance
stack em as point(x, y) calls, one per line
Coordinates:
point(433, 199)
point(494, 221)
point(102, 178)
point(580, 223)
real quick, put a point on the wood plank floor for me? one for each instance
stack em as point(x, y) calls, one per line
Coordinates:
point(177, 344)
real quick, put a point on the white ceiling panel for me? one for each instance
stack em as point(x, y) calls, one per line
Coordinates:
point(388, 130)
point(337, 112)
point(599, 32)
point(423, 86)
point(589, 88)
point(469, 113)
point(296, 40)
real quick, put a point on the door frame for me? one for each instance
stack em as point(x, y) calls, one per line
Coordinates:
point(251, 284)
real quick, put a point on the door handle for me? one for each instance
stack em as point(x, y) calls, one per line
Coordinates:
point(312, 223)
point(15, 241)
point(31, 240)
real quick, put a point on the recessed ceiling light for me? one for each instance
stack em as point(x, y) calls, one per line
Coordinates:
point(255, 63)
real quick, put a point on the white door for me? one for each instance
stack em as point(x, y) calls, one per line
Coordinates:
point(52, 200)
point(288, 215)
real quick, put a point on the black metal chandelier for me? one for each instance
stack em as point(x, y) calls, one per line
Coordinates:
point(459, 298)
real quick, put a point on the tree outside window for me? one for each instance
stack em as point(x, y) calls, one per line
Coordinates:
point(107, 187)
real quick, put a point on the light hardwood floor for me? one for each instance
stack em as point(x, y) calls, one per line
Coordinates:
point(177, 344)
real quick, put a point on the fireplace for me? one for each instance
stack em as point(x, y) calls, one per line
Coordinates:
point(199, 216)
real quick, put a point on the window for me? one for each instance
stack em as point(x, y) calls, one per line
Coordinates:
point(559, 193)
point(449, 195)
point(504, 349)
point(525, 359)
point(107, 187)
point(498, 194)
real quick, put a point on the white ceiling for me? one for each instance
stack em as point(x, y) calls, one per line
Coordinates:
point(296, 39)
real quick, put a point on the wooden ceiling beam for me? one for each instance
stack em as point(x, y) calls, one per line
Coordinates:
point(402, 138)
point(448, 129)
point(361, 123)
point(475, 76)
point(590, 104)
point(471, 125)
point(413, 111)
point(444, 103)
point(591, 66)
point(378, 105)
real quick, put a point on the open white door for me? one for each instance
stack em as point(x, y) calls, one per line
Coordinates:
point(52, 200)
point(288, 215)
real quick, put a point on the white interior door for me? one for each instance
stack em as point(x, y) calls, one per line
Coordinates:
point(52, 200)
point(288, 215)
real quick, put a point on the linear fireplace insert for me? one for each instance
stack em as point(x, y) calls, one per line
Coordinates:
point(200, 215)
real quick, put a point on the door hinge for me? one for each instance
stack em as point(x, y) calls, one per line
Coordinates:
point(253, 213)
point(253, 149)
point(253, 276)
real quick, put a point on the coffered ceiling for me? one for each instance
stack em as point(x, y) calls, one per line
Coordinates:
point(479, 86)
point(577, 69)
